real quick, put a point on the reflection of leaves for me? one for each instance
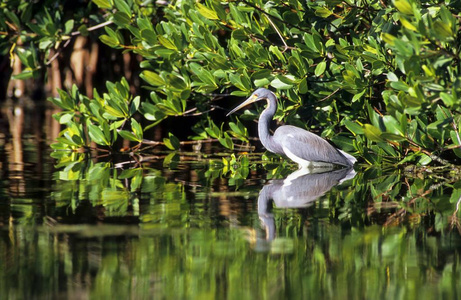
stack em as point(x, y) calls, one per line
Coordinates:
point(374, 195)
point(115, 201)
point(171, 160)
point(136, 176)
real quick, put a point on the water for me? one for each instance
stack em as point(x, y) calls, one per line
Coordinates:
point(185, 227)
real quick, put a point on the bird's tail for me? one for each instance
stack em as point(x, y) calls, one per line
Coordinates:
point(349, 157)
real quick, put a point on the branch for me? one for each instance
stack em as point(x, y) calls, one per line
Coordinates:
point(275, 17)
point(279, 34)
point(75, 33)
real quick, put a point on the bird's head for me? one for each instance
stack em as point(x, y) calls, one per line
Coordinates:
point(259, 94)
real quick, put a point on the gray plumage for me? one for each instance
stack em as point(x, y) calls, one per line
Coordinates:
point(299, 189)
point(301, 146)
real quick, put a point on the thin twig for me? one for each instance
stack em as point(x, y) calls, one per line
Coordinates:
point(187, 113)
point(331, 95)
point(278, 32)
point(454, 222)
point(93, 27)
point(428, 153)
point(76, 33)
point(272, 16)
point(57, 53)
point(403, 211)
point(457, 205)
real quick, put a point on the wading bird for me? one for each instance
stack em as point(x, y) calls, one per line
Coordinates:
point(303, 147)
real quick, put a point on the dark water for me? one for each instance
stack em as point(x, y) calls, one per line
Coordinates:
point(187, 226)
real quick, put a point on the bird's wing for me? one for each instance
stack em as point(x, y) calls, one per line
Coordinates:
point(308, 146)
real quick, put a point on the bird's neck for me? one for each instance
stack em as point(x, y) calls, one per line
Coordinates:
point(264, 133)
point(264, 124)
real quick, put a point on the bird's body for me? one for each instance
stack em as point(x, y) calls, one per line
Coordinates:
point(301, 146)
point(296, 141)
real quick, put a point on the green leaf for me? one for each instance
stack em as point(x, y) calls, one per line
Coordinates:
point(399, 85)
point(213, 130)
point(276, 51)
point(393, 137)
point(206, 12)
point(64, 101)
point(167, 43)
point(443, 30)
point(392, 77)
point(323, 12)
point(128, 136)
point(12, 17)
point(135, 105)
point(97, 135)
point(353, 127)
point(114, 111)
point(172, 142)
point(83, 30)
point(404, 6)
point(236, 80)
point(407, 24)
point(69, 26)
point(123, 6)
point(303, 88)
point(425, 160)
point(66, 118)
point(109, 41)
point(152, 78)
point(137, 129)
point(447, 99)
point(176, 82)
point(122, 19)
point(320, 68)
point(103, 3)
point(372, 133)
point(149, 36)
point(226, 141)
point(280, 85)
point(24, 75)
point(392, 125)
point(456, 140)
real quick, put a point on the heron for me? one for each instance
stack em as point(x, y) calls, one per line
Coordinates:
point(305, 148)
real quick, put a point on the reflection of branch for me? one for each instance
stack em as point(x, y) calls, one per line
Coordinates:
point(153, 144)
point(403, 211)
point(454, 220)
point(457, 205)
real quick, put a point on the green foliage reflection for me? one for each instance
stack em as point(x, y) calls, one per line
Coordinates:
point(326, 261)
point(183, 231)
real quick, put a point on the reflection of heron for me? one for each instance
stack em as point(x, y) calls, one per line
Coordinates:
point(299, 189)
point(301, 146)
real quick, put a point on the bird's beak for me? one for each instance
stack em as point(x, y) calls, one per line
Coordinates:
point(253, 98)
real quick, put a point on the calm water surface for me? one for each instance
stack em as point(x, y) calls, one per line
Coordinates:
point(184, 227)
